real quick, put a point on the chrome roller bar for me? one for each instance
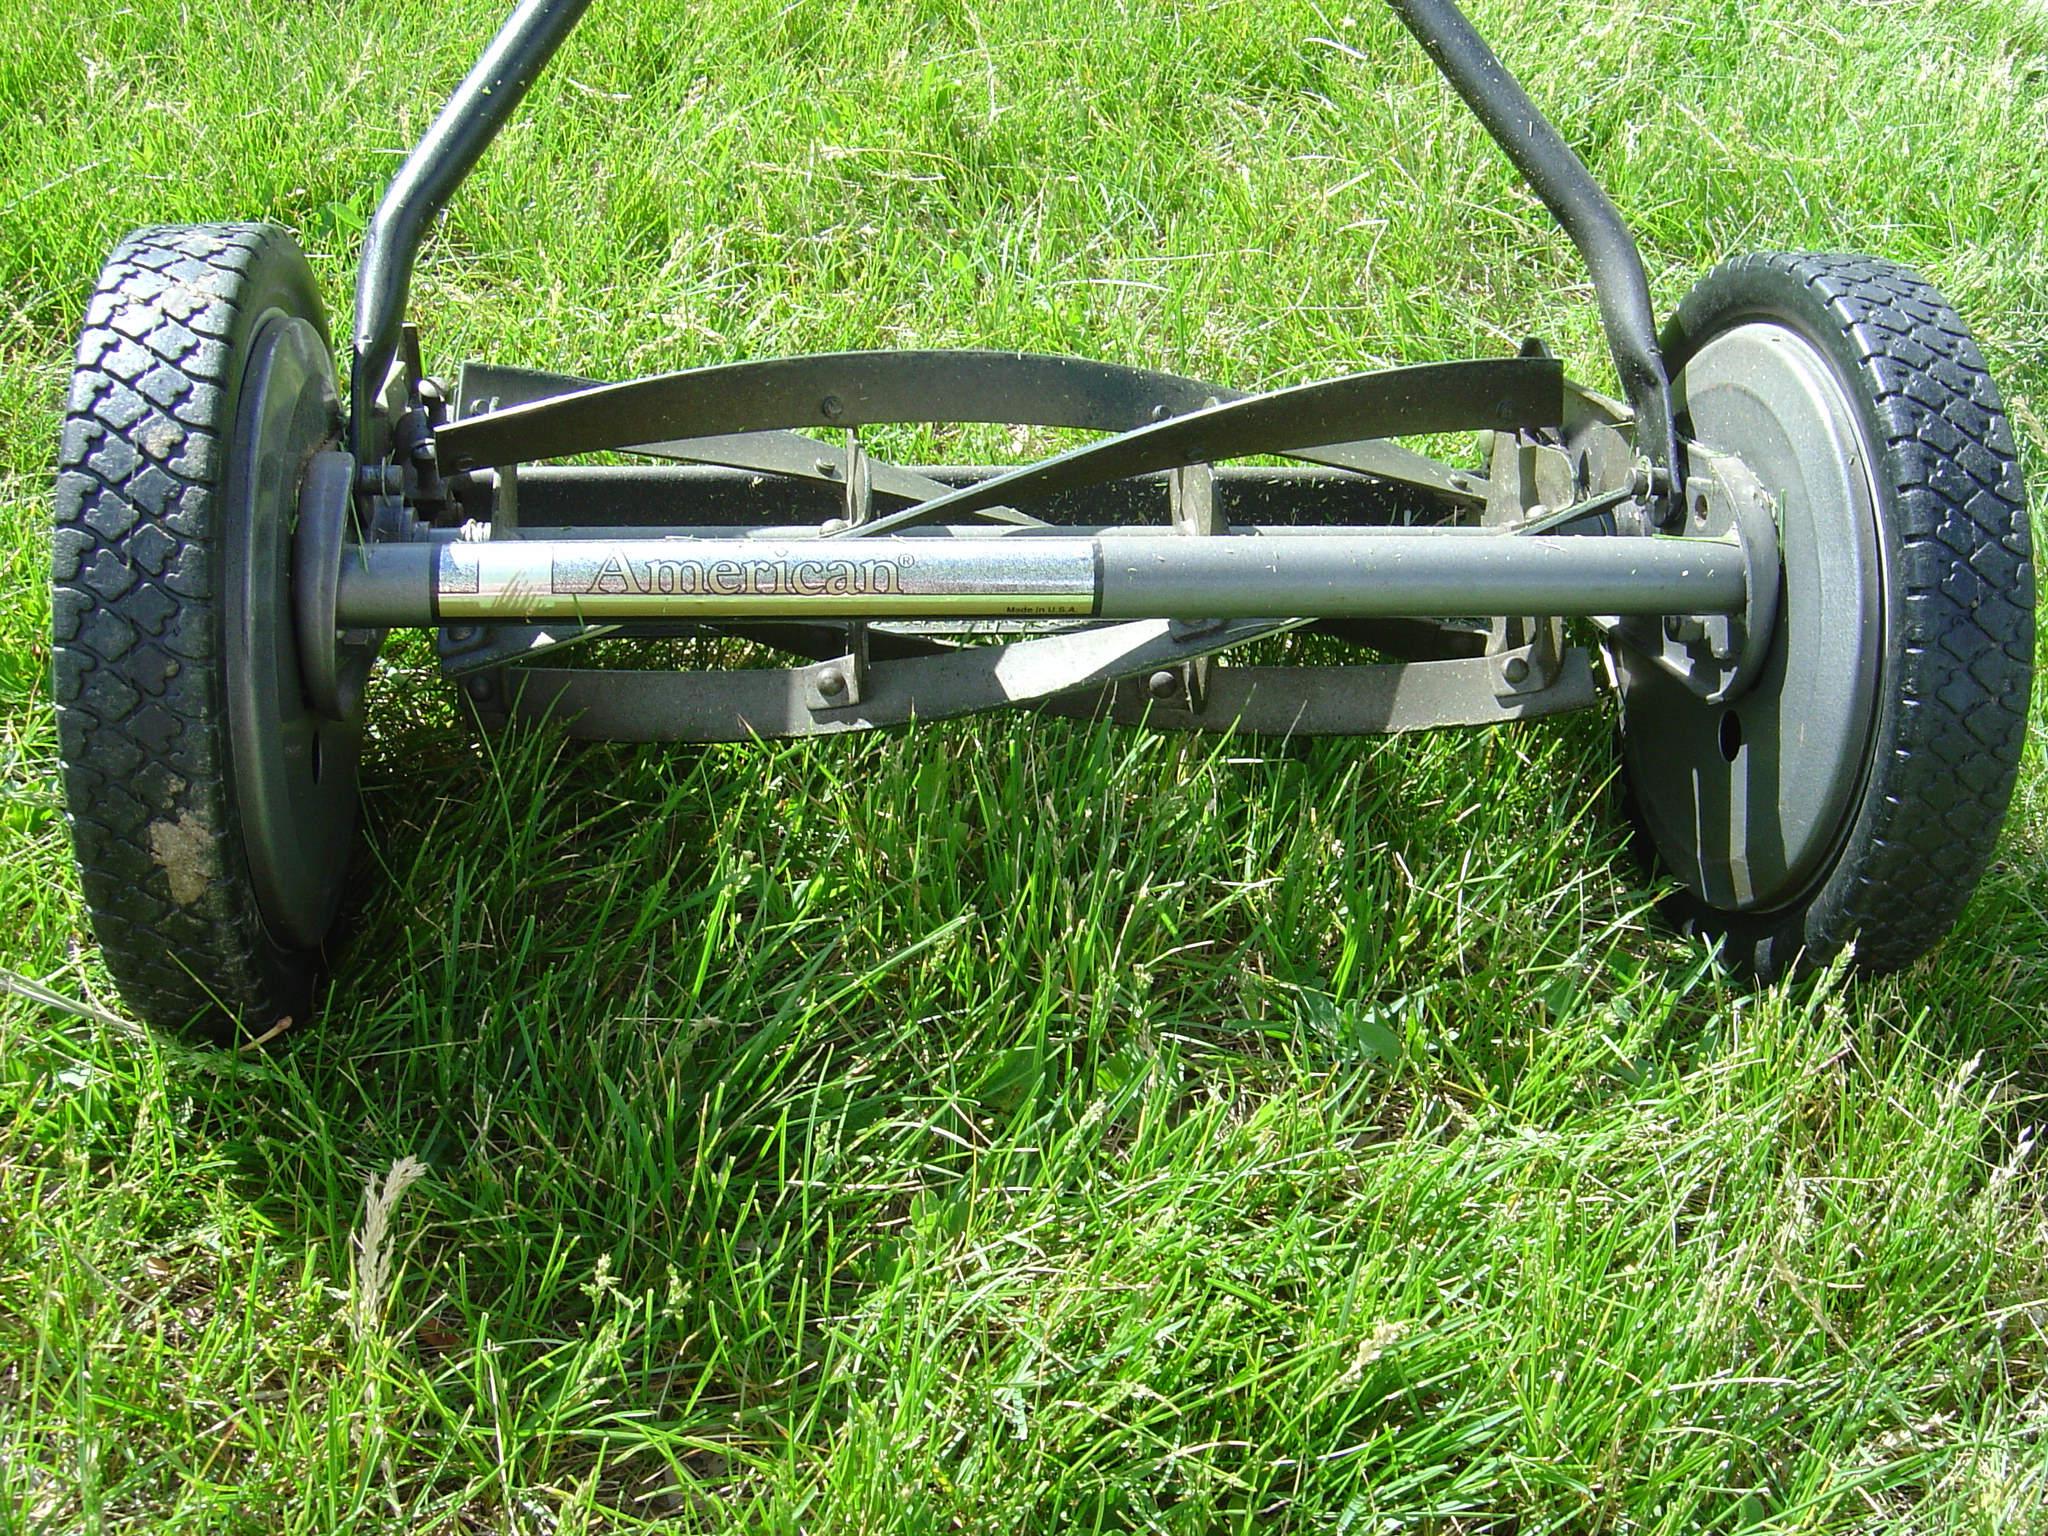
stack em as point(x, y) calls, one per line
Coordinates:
point(1337, 575)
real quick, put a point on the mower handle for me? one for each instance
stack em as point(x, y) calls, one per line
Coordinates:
point(434, 169)
point(533, 31)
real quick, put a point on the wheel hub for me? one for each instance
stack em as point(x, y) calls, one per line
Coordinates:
point(295, 768)
point(1745, 797)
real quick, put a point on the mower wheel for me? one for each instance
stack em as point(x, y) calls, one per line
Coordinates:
point(1854, 791)
point(212, 809)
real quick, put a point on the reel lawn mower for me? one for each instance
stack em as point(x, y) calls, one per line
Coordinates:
point(1796, 553)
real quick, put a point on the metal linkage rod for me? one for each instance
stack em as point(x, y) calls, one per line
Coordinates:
point(1330, 576)
point(437, 165)
point(1574, 198)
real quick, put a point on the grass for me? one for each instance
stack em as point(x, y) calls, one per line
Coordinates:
point(1011, 1125)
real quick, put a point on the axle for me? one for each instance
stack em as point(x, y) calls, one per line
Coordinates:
point(1350, 574)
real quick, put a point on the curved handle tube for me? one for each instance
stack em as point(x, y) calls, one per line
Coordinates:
point(1568, 190)
point(436, 166)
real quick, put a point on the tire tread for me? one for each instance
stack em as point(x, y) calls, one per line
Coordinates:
point(141, 724)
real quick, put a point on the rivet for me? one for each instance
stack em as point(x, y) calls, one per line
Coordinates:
point(1515, 668)
point(1162, 685)
point(832, 684)
point(832, 407)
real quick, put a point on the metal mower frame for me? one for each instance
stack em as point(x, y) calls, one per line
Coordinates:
point(1800, 554)
point(1375, 544)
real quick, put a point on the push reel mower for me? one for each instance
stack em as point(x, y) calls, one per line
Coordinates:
point(1798, 547)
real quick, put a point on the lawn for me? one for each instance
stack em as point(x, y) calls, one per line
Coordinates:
point(1017, 1125)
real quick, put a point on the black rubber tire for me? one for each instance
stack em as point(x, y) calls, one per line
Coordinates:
point(1957, 610)
point(142, 558)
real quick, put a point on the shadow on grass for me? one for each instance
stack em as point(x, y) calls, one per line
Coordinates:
point(926, 1118)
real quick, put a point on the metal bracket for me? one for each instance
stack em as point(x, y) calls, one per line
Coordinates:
point(834, 684)
point(1197, 511)
point(466, 649)
point(1718, 655)
point(505, 502)
point(842, 680)
point(860, 489)
point(1526, 480)
point(1525, 654)
point(1191, 497)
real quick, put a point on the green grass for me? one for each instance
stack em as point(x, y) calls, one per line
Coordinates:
point(1010, 1125)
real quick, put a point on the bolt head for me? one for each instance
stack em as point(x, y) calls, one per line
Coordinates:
point(1721, 638)
point(1162, 684)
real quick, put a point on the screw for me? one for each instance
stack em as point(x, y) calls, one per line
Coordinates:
point(1515, 669)
point(832, 407)
point(1162, 684)
point(832, 684)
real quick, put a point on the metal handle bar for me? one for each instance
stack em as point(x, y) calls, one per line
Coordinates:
point(1574, 198)
point(529, 37)
point(435, 168)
